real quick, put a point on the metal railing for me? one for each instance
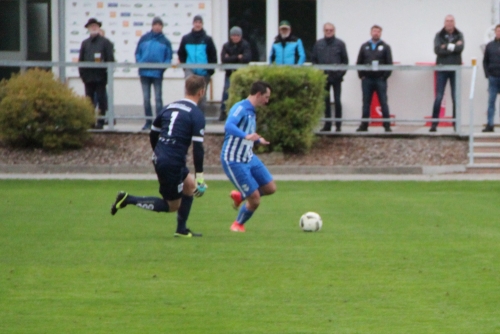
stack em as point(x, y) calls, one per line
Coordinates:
point(112, 66)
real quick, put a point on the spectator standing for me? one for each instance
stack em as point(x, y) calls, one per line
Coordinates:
point(287, 49)
point(97, 49)
point(153, 47)
point(374, 52)
point(198, 48)
point(448, 46)
point(235, 51)
point(331, 50)
point(491, 65)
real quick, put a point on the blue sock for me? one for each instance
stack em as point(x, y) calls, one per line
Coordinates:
point(148, 203)
point(244, 215)
point(183, 213)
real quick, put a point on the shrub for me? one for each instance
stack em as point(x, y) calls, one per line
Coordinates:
point(296, 104)
point(36, 110)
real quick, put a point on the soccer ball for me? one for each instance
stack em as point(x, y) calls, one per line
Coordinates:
point(310, 222)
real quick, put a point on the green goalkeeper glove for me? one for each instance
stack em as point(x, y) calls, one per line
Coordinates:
point(201, 186)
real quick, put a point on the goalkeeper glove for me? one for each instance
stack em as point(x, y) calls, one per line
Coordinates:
point(201, 186)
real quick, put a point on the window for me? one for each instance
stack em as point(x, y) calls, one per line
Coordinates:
point(302, 16)
point(10, 26)
point(250, 16)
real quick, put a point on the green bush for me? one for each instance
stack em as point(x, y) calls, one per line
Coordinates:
point(296, 104)
point(36, 110)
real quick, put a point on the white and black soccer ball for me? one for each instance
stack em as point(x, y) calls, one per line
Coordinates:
point(310, 222)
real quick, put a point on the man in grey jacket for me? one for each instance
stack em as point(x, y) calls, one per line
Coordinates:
point(331, 50)
point(448, 46)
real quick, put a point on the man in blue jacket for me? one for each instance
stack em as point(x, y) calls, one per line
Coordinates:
point(287, 49)
point(198, 48)
point(153, 47)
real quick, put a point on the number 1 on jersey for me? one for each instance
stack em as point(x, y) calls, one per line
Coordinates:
point(172, 121)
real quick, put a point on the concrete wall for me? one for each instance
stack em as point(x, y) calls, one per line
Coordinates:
point(409, 27)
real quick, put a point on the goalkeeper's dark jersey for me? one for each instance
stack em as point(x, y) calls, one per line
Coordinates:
point(178, 124)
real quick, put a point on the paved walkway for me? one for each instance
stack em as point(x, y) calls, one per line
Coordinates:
point(283, 177)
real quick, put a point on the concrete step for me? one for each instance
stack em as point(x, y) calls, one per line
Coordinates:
point(486, 168)
point(486, 158)
point(486, 147)
point(486, 137)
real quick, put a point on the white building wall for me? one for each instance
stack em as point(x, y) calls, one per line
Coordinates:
point(409, 26)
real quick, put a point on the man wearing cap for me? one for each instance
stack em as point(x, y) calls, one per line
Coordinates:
point(235, 51)
point(287, 49)
point(97, 49)
point(331, 50)
point(198, 48)
point(153, 47)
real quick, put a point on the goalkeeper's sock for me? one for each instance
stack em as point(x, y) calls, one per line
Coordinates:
point(148, 203)
point(183, 212)
point(244, 215)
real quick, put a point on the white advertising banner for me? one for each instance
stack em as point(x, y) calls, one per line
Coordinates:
point(125, 21)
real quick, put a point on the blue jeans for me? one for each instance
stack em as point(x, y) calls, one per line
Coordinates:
point(493, 90)
point(379, 85)
point(225, 93)
point(146, 83)
point(441, 79)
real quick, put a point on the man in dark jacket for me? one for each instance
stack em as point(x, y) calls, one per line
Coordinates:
point(198, 48)
point(97, 49)
point(331, 50)
point(448, 46)
point(153, 47)
point(374, 52)
point(236, 51)
point(491, 65)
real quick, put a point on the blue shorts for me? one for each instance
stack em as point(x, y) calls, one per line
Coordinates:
point(247, 177)
point(171, 179)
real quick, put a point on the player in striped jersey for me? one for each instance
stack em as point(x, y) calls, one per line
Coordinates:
point(173, 130)
point(244, 169)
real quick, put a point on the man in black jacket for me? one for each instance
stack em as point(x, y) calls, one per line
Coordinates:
point(448, 46)
point(491, 65)
point(331, 50)
point(198, 48)
point(236, 51)
point(97, 49)
point(374, 52)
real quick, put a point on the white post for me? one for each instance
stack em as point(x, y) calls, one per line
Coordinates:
point(272, 19)
point(471, 111)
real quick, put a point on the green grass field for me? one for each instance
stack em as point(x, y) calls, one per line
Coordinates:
point(392, 257)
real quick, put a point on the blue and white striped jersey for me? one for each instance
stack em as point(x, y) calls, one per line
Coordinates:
point(240, 122)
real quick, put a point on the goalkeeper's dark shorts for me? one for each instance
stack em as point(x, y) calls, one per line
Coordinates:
point(171, 179)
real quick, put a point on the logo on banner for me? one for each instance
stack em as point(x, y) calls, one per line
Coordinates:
point(74, 51)
point(112, 4)
point(138, 33)
point(138, 5)
point(138, 24)
point(201, 5)
point(100, 4)
point(112, 14)
point(125, 14)
point(151, 14)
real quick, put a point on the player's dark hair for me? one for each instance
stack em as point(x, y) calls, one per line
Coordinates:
point(194, 84)
point(376, 26)
point(259, 87)
point(497, 26)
